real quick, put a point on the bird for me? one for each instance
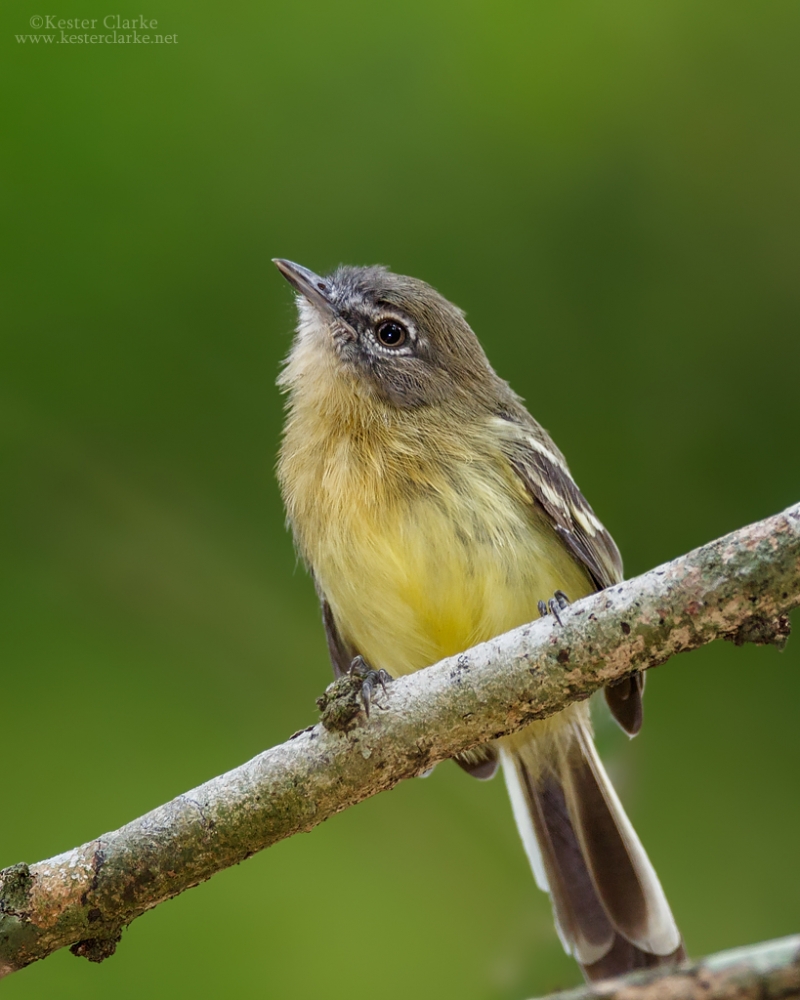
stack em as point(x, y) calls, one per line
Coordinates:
point(433, 513)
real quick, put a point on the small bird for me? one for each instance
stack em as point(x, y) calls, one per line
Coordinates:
point(434, 513)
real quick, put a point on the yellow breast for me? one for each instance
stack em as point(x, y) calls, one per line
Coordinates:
point(439, 580)
point(423, 539)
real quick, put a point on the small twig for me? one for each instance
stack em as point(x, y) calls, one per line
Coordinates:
point(768, 971)
point(739, 587)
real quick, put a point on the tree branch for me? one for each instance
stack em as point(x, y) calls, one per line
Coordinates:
point(738, 588)
point(768, 971)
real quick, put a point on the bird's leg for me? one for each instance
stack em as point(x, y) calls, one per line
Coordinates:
point(557, 603)
point(370, 679)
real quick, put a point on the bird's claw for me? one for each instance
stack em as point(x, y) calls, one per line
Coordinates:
point(370, 679)
point(557, 603)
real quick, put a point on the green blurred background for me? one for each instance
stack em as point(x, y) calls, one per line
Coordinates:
point(610, 191)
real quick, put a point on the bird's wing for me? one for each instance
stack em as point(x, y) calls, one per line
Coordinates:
point(544, 473)
point(341, 653)
point(546, 477)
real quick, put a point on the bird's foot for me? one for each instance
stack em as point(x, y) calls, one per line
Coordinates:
point(557, 603)
point(370, 679)
point(351, 694)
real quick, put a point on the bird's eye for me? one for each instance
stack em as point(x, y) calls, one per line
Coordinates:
point(391, 333)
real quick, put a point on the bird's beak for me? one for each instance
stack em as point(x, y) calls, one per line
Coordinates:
point(317, 290)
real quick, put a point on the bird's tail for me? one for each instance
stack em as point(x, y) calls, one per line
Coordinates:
point(610, 910)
